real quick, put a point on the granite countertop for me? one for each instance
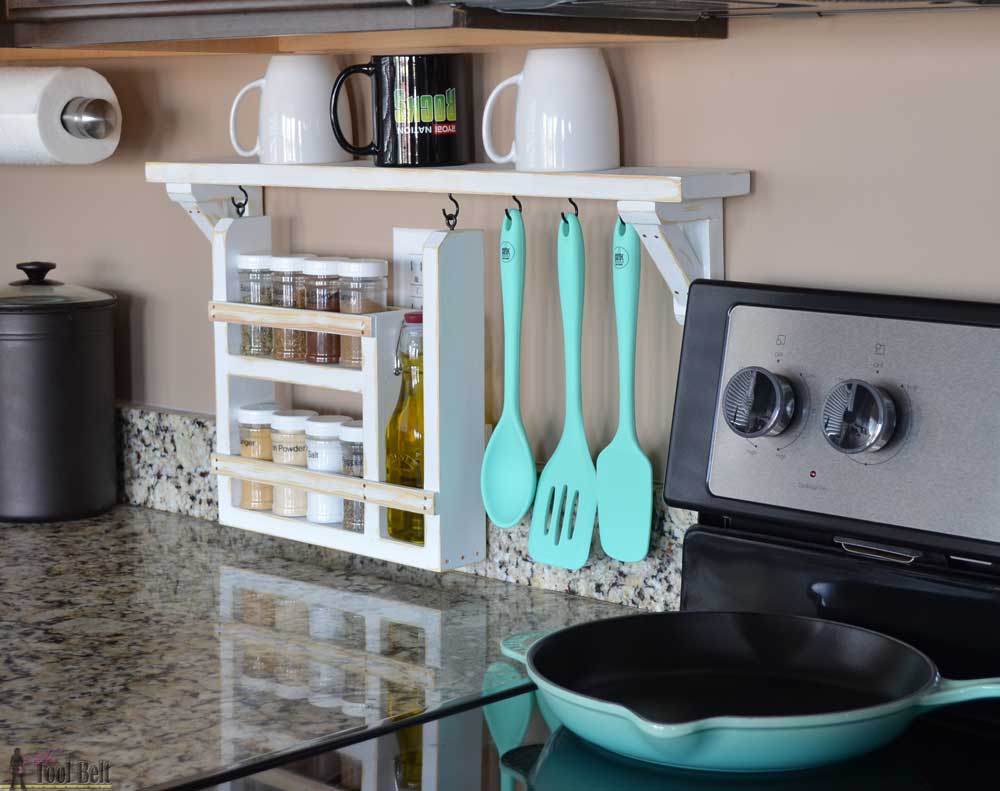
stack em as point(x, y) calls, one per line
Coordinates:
point(174, 648)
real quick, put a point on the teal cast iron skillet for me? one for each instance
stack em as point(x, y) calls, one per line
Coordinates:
point(739, 692)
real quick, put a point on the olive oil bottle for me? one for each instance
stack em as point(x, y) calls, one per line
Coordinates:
point(404, 434)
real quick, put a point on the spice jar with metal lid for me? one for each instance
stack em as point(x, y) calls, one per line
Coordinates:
point(352, 441)
point(364, 288)
point(325, 455)
point(288, 284)
point(57, 388)
point(255, 289)
point(322, 277)
point(254, 421)
point(288, 446)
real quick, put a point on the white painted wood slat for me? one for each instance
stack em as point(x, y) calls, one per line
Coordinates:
point(661, 184)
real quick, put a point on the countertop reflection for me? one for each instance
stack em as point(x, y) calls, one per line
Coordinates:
point(174, 648)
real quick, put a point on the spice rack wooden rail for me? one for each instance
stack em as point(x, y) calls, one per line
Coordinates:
point(454, 403)
point(389, 495)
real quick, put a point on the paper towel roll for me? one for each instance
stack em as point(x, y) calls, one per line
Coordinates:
point(31, 106)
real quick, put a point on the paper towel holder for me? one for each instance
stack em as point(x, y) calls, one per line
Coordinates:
point(92, 119)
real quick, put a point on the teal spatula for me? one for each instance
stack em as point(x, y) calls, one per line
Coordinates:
point(508, 476)
point(624, 474)
point(562, 522)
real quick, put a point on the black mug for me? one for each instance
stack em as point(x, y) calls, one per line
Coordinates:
point(422, 110)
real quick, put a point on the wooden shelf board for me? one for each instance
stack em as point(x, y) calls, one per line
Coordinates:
point(145, 49)
point(335, 537)
point(329, 377)
point(414, 41)
point(659, 184)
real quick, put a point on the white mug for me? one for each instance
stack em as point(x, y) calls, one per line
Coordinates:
point(566, 117)
point(294, 124)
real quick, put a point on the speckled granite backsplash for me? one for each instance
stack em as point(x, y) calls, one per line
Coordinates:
point(164, 465)
point(163, 461)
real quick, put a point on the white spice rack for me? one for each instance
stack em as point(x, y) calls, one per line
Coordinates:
point(454, 403)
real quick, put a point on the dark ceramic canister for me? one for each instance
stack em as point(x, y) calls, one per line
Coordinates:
point(57, 419)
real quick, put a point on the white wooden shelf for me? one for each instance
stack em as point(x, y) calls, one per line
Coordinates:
point(330, 377)
point(678, 211)
point(660, 184)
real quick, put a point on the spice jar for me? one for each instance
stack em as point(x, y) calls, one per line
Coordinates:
point(254, 421)
point(322, 293)
point(364, 288)
point(352, 438)
point(255, 289)
point(288, 284)
point(288, 446)
point(325, 455)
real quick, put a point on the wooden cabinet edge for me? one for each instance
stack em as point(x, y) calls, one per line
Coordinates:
point(434, 27)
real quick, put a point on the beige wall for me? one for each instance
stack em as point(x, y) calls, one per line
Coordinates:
point(875, 144)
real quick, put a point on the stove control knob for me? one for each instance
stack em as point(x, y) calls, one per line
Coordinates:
point(858, 417)
point(758, 403)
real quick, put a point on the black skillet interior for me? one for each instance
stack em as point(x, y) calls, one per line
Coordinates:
point(679, 667)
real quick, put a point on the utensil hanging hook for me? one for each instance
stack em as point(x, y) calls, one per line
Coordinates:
point(451, 220)
point(576, 209)
point(241, 208)
point(519, 208)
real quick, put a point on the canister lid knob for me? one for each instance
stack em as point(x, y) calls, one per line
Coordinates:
point(36, 272)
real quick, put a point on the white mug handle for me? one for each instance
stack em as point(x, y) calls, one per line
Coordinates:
point(243, 152)
point(488, 122)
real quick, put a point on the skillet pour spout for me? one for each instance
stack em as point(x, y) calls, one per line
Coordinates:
point(748, 692)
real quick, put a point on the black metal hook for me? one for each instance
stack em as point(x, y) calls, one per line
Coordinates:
point(519, 208)
point(576, 209)
point(241, 208)
point(451, 220)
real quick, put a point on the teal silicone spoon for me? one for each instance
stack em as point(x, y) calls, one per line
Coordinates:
point(624, 473)
point(562, 522)
point(508, 475)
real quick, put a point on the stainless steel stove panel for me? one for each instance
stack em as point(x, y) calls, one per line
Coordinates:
point(940, 471)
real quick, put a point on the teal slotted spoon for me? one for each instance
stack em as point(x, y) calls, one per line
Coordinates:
point(624, 473)
point(507, 479)
point(562, 522)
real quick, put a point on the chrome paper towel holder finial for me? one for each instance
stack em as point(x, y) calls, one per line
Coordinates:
point(92, 119)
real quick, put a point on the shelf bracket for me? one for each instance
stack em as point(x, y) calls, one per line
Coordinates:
point(206, 204)
point(685, 241)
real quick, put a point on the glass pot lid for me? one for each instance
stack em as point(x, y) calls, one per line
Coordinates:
point(36, 293)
